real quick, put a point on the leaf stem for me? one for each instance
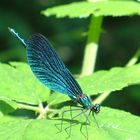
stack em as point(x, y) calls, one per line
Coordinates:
point(91, 46)
point(134, 59)
point(44, 111)
point(39, 109)
point(28, 107)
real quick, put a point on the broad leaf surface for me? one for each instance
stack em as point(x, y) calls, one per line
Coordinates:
point(57, 98)
point(9, 101)
point(114, 124)
point(7, 105)
point(112, 80)
point(18, 83)
point(102, 8)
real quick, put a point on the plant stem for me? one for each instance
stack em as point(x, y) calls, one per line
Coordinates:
point(39, 109)
point(131, 62)
point(101, 98)
point(91, 46)
point(134, 59)
point(28, 107)
point(44, 112)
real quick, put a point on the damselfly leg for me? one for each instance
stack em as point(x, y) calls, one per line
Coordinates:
point(62, 118)
point(74, 123)
point(95, 119)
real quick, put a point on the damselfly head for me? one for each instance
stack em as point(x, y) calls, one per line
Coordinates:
point(96, 108)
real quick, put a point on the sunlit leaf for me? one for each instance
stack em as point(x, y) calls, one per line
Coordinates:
point(101, 8)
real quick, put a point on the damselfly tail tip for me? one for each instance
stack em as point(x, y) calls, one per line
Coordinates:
point(14, 33)
point(10, 29)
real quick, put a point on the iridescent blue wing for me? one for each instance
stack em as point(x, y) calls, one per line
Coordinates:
point(49, 68)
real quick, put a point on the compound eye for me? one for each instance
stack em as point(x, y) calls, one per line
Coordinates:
point(97, 108)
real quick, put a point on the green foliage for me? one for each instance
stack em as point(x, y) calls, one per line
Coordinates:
point(7, 105)
point(57, 98)
point(114, 124)
point(112, 80)
point(30, 90)
point(18, 83)
point(109, 120)
point(21, 91)
point(103, 8)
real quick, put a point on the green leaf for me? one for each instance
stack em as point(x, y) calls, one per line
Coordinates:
point(57, 98)
point(7, 105)
point(102, 8)
point(9, 101)
point(112, 80)
point(114, 124)
point(1, 114)
point(18, 83)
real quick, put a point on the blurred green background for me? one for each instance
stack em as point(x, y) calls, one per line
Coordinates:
point(119, 41)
